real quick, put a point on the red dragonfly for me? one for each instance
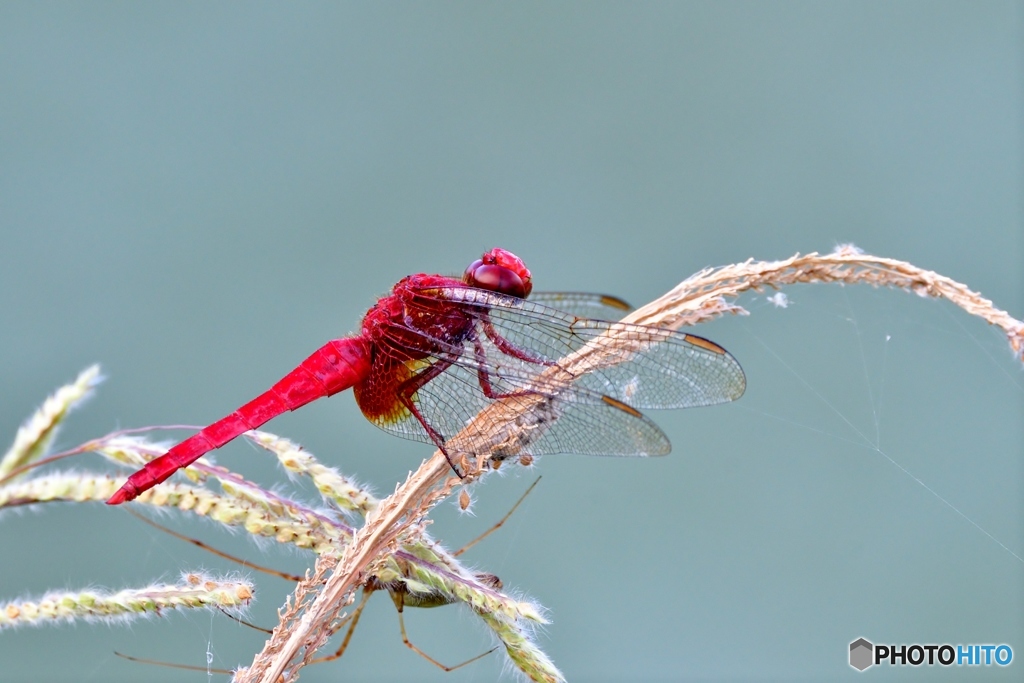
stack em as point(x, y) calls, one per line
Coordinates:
point(437, 350)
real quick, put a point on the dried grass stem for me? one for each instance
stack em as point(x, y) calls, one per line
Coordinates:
point(703, 296)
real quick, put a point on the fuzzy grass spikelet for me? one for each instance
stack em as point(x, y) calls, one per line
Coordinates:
point(34, 437)
point(136, 451)
point(77, 487)
point(523, 651)
point(195, 591)
point(331, 484)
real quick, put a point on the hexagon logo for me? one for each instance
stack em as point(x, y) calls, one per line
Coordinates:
point(861, 654)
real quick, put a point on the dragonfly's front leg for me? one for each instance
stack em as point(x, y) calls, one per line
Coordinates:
point(483, 376)
point(506, 347)
point(510, 349)
point(407, 389)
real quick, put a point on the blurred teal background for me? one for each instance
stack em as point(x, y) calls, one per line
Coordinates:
point(198, 195)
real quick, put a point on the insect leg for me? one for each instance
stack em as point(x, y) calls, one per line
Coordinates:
point(172, 665)
point(405, 392)
point(510, 349)
point(209, 548)
point(348, 634)
point(399, 599)
point(484, 377)
point(497, 525)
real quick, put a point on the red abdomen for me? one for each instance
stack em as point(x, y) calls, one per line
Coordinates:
point(337, 365)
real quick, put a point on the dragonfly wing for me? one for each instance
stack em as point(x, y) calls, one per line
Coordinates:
point(509, 354)
point(600, 429)
point(657, 368)
point(574, 419)
point(584, 304)
point(668, 369)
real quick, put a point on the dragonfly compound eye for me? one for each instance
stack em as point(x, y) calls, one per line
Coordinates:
point(497, 279)
point(500, 271)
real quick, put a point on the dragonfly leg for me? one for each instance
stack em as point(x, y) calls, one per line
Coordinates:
point(484, 377)
point(510, 349)
point(407, 389)
point(399, 599)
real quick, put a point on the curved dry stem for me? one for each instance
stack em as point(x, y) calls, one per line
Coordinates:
point(703, 296)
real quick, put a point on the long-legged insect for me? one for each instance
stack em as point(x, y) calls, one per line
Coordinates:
point(397, 589)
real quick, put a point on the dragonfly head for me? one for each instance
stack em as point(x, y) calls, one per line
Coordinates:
point(500, 271)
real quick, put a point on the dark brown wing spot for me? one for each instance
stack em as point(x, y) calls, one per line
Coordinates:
point(615, 302)
point(705, 344)
point(624, 407)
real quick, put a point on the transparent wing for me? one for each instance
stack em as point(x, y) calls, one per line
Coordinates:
point(513, 341)
point(584, 304)
point(574, 421)
point(666, 369)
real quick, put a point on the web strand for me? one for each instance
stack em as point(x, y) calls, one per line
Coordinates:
point(863, 439)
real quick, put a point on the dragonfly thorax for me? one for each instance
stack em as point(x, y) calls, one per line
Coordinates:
point(412, 321)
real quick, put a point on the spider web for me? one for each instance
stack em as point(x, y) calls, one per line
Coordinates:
point(873, 345)
point(889, 363)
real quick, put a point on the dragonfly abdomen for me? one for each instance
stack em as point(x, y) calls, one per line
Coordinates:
point(337, 365)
